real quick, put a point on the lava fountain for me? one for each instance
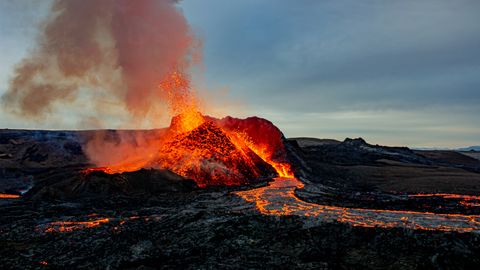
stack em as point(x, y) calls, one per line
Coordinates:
point(211, 151)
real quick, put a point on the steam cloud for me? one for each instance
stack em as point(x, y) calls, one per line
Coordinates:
point(113, 50)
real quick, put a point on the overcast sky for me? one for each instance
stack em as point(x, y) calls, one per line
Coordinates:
point(393, 72)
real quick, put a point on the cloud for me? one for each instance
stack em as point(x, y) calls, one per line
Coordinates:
point(327, 42)
point(290, 60)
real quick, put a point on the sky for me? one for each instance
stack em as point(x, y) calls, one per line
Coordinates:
point(393, 72)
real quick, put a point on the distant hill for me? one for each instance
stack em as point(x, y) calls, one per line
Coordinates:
point(470, 148)
point(307, 141)
point(462, 149)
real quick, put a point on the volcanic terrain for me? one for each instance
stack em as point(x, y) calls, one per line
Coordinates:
point(223, 196)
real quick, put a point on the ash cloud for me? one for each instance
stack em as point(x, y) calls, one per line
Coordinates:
point(106, 52)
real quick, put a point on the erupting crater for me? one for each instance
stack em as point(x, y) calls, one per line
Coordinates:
point(213, 152)
point(208, 155)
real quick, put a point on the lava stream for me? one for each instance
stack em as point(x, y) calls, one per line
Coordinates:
point(69, 226)
point(279, 199)
point(468, 201)
point(9, 196)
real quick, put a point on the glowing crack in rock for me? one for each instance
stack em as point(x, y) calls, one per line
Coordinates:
point(279, 199)
point(468, 201)
point(69, 226)
point(9, 196)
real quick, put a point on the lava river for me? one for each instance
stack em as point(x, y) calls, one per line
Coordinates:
point(279, 198)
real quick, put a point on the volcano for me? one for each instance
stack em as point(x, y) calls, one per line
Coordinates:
point(212, 157)
point(211, 151)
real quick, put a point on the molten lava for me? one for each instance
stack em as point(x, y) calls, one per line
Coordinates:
point(279, 199)
point(264, 138)
point(211, 151)
point(9, 196)
point(69, 226)
point(211, 157)
point(209, 154)
point(469, 201)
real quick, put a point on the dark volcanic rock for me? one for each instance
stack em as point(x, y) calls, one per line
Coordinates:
point(452, 158)
point(214, 230)
point(26, 149)
point(98, 184)
point(354, 173)
point(357, 151)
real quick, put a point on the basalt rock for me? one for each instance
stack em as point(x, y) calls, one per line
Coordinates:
point(74, 184)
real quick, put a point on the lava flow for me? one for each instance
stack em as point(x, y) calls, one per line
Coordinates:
point(9, 196)
point(69, 226)
point(279, 199)
point(469, 201)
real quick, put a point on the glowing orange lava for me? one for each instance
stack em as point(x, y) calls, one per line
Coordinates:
point(279, 199)
point(283, 169)
point(208, 150)
point(9, 196)
point(69, 226)
point(448, 196)
point(182, 102)
point(211, 151)
point(209, 154)
point(469, 201)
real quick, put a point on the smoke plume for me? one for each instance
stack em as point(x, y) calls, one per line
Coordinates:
point(107, 52)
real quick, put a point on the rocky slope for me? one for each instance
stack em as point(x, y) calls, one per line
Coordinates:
point(354, 173)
